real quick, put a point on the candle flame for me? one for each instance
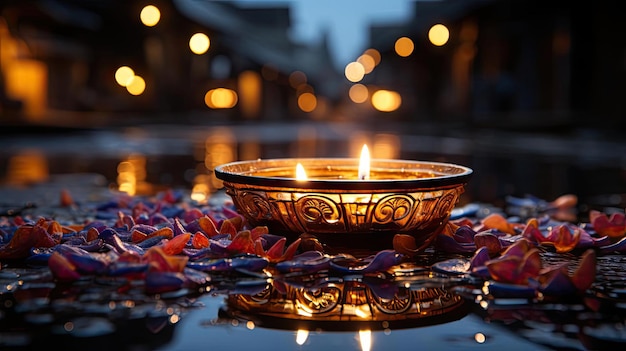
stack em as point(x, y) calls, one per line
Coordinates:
point(300, 172)
point(364, 164)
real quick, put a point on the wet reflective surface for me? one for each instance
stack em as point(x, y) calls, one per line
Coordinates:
point(417, 301)
point(314, 311)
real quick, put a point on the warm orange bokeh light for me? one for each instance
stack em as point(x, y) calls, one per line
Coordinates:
point(438, 35)
point(404, 46)
point(199, 43)
point(386, 100)
point(136, 86)
point(307, 102)
point(358, 93)
point(150, 15)
point(354, 71)
point(220, 98)
point(124, 75)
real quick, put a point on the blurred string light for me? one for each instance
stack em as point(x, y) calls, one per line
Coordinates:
point(438, 35)
point(150, 15)
point(354, 71)
point(307, 102)
point(199, 43)
point(368, 63)
point(136, 86)
point(297, 78)
point(386, 100)
point(221, 98)
point(404, 46)
point(126, 77)
point(374, 54)
point(358, 93)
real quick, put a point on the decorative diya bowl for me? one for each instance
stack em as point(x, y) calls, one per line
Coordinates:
point(336, 204)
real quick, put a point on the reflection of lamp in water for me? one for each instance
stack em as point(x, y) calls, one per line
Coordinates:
point(345, 306)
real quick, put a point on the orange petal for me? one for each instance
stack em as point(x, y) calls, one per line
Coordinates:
point(176, 245)
point(532, 231)
point(531, 265)
point(208, 226)
point(242, 243)
point(165, 232)
point(504, 269)
point(291, 250)
point(518, 248)
point(162, 262)
point(488, 240)
point(585, 274)
point(199, 240)
point(228, 227)
point(497, 221)
point(565, 238)
point(92, 234)
point(276, 250)
point(61, 268)
point(137, 236)
point(258, 231)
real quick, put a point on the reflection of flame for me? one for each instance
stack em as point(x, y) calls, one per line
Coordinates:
point(365, 338)
point(301, 336)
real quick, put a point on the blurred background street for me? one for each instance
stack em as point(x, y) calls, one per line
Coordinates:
point(154, 94)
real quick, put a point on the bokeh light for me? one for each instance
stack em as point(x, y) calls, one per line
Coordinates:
point(307, 102)
point(150, 15)
point(386, 100)
point(358, 93)
point(136, 86)
point(124, 75)
point(404, 47)
point(220, 98)
point(354, 72)
point(199, 43)
point(438, 34)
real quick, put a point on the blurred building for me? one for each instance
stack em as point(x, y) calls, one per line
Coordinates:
point(508, 64)
point(60, 57)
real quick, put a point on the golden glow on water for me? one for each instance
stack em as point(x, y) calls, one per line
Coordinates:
point(307, 102)
point(365, 339)
point(199, 43)
point(28, 166)
point(150, 15)
point(354, 72)
point(220, 98)
point(250, 93)
point(301, 336)
point(358, 93)
point(386, 100)
point(438, 34)
point(131, 174)
point(404, 46)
